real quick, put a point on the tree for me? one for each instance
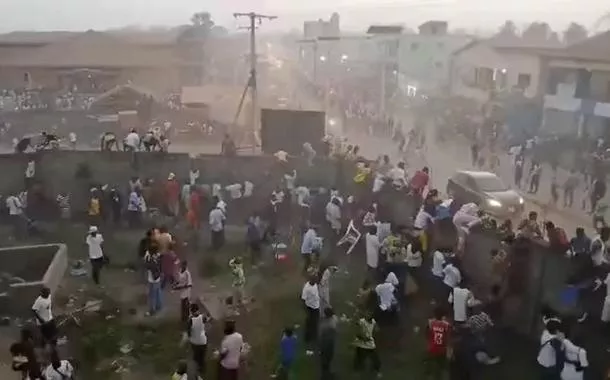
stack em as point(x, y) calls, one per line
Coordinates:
point(574, 33)
point(508, 29)
point(537, 32)
point(203, 20)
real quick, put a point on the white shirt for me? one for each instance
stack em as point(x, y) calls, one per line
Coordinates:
point(574, 354)
point(310, 242)
point(414, 259)
point(216, 190)
point(372, 250)
point(132, 140)
point(311, 296)
point(461, 299)
point(452, 276)
point(14, 205)
point(599, 256)
point(438, 259)
point(248, 189)
point(72, 137)
point(185, 279)
point(422, 220)
point(193, 176)
point(607, 283)
point(42, 307)
point(546, 354)
point(197, 334)
point(333, 215)
point(64, 372)
point(217, 218)
point(290, 180)
point(95, 246)
point(398, 176)
point(234, 190)
point(378, 184)
point(302, 194)
point(231, 345)
point(30, 171)
point(281, 155)
point(385, 292)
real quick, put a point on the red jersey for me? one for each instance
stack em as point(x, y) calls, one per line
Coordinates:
point(419, 181)
point(438, 335)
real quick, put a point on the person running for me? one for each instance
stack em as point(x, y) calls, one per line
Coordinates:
point(365, 345)
point(438, 332)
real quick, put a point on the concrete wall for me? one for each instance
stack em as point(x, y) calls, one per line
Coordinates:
point(57, 169)
point(39, 265)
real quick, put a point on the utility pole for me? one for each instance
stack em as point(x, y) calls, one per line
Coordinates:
point(255, 19)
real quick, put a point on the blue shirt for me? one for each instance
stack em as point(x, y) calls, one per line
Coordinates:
point(580, 245)
point(288, 349)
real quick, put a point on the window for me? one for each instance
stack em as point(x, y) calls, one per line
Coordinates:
point(524, 81)
point(484, 78)
point(414, 46)
point(490, 184)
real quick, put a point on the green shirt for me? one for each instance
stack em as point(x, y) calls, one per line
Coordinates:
point(365, 338)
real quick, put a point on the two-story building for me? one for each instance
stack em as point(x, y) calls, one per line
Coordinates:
point(576, 89)
point(424, 57)
point(485, 68)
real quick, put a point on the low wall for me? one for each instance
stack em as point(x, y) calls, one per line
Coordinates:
point(57, 169)
point(38, 266)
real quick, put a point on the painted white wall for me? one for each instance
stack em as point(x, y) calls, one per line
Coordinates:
point(482, 55)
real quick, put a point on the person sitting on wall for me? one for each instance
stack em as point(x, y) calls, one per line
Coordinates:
point(23, 144)
point(49, 140)
point(107, 141)
point(150, 141)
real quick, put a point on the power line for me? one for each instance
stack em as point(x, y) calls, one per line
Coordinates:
point(255, 20)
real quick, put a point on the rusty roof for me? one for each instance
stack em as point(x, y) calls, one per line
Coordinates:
point(90, 49)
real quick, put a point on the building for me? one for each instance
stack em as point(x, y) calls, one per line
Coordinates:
point(576, 89)
point(94, 61)
point(484, 69)
point(424, 58)
point(322, 28)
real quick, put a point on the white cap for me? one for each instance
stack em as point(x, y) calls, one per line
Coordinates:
point(92, 229)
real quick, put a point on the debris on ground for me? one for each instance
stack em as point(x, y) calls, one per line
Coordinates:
point(78, 269)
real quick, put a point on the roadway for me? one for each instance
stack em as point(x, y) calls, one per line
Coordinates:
point(443, 160)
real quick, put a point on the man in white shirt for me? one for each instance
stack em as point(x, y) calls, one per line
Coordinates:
point(230, 352)
point(386, 293)
point(132, 141)
point(551, 341)
point(72, 140)
point(461, 298)
point(309, 246)
point(184, 285)
point(197, 337)
point(248, 189)
point(333, 215)
point(42, 309)
point(378, 183)
point(193, 176)
point(15, 211)
point(438, 263)
point(311, 298)
point(94, 241)
point(451, 275)
point(217, 227)
point(372, 249)
point(398, 175)
point(234, 190)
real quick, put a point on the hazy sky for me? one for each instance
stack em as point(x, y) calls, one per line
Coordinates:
point(356, 14)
